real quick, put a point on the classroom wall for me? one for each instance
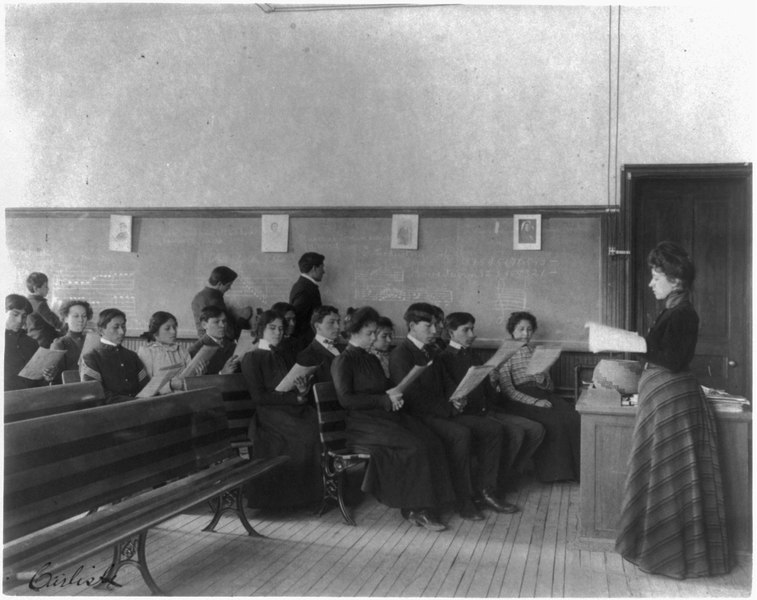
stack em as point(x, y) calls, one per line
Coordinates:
point(224, 105)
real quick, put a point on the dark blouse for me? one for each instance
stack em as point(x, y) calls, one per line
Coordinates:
point(19, 348)
point(672, 339)
point(263, 370)
point(360, 381)
point(119, 369)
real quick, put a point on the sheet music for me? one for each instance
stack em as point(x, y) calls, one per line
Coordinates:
point(43, 358)
point(471, 381)
point(246, 343)
point(163, 376)
point(412, 375)
point(603, 338)
point(287, 384)
point(542, 359)
point(204, 354)
point(504, 352)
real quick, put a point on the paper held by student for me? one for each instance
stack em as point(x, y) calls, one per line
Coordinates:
point(287, 384)
point(44, 358)
point(246, 343)
point(542, 359)
point(203, 356)
point(159, 379)
point(504, 352)
point(412, 375)
point(471, 381)
point(603, 338)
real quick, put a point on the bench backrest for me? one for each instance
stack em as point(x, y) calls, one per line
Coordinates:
point(52, 399)
point(236, 400)
point(331, 417)
point(60, 466)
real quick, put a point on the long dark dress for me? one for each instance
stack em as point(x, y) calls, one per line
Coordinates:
point(408, 467)
point(281, 426)
point(558, 458)
point(673, 517)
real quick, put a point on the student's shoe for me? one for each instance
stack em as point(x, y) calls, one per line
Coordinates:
point(422, 518)
point(499, 506)
point(469, 512)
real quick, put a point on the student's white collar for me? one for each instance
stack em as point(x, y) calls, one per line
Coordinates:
point(264, 344)
point(418, 344)
point(454, 344)
point(308, 277)
point(107, 342)
point(322, 341)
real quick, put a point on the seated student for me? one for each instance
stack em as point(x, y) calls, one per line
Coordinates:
point(461, 434)
point(344, 334)
point(220, 282)
point(19, 347)
point(76, 315)
point(559, 456)
point(284, 424)
point(42, 324)
point(163, 351)
point(522, 436)
point(291, 344)
point(214, 322)
point(326, 345)
point(407, 469)
point(119, 369)
point(440, 340)
point(383, 343)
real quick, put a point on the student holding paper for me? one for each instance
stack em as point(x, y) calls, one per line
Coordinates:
point(163, 351)
point(522, 436)
point(672, 518)
point(214, 321)
point(462, 435)
point(383, 342)
point(284, 423)
point(19, 347)
point(291, 344)
point(530, 396)
point(76, 314)
point(408, 469)
point(119, 369)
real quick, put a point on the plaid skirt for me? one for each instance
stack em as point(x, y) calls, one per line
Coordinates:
point(673, 518)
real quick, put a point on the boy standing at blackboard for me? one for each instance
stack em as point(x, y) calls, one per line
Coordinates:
point(42, 324)
point(219, 282)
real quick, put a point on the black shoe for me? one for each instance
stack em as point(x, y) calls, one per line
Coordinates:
point(471, 513)
point(500, 506)
point(422, 518)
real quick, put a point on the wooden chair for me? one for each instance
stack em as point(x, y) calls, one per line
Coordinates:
point(71, 376)
point(236, 401)
point(336, 458)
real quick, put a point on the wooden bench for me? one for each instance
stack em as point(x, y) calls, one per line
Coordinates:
point(141, 462)
point(52, 399)
point(236, 400)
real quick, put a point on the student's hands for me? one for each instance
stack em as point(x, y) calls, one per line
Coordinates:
point(396, 399)
point(231, 366)
point(460, 403)
point(541, 378)
point(176, 384)
point(201, 367)
point(543, 403)
point(302, 383)
point(49, 373)
point(246, 313)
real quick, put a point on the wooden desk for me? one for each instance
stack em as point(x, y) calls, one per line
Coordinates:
point(606, 430)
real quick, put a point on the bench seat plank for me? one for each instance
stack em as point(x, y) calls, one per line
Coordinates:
point(20, 405)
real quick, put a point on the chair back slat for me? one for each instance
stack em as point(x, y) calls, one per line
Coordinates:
point(236, 400)
point(59, 466)
point(31, 403)
point(331, 416)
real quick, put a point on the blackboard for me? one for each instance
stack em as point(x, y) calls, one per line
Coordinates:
point(462, 263)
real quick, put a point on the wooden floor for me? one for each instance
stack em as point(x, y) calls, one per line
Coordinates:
point(534, 553)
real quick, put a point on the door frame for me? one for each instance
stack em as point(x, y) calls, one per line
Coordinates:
point(625, 281)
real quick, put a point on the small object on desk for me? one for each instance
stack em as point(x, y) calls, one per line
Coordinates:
point(629, 400)
point(619, 375)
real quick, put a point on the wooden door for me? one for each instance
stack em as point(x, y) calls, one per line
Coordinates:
point(706, 209)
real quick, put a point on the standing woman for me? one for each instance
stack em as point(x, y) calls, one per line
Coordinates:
point(408, 469)
point(673, 518)
point(284, 423)
point(75, 314)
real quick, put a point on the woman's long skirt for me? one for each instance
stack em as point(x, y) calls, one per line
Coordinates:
point(558, 457)
point(291, 431)
point(673, 519)
point(408, 466)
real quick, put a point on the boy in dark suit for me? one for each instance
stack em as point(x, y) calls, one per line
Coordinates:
point(305, 295)
point(219, 282)
point(42, 324)
point(461, 434)
point(325, 346)
point(522, 436)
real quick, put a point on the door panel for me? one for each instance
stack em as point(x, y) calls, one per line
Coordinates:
point(706, 209)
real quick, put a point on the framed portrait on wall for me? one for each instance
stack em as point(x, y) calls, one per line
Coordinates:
point(274, 233)
point(404, 232)
point(120, 233)
point(526, 232)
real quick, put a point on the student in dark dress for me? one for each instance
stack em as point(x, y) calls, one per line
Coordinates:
point(214, 322)
point(19, 347)
point(673, 519)
point(76, 314)
point(290, 343)
point(531, 396)
point(463, 435)
point(305, 295)
point(408, 469)
point(326, 345)
point(284, 424)
point(42, 324)
point(119, 369)
point(522, 436)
